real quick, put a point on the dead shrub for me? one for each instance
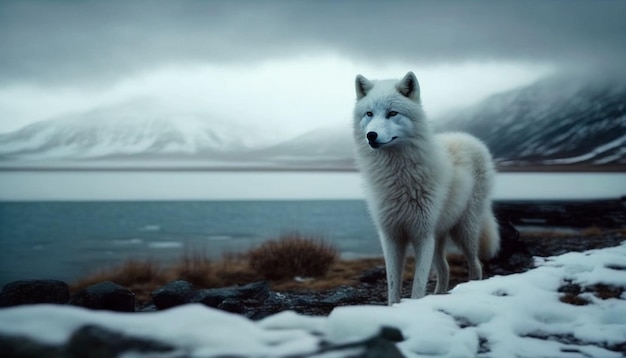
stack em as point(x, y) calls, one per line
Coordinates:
point(195, 268)
point(292, 255)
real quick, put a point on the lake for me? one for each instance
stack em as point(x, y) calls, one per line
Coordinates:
point(65, 224)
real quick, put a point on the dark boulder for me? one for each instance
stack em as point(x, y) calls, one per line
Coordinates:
point(373, 275)
point(259, 291)
point(105, 296)
point(213, 297)
point(343, 295)
point(23, 347)
point(104, 343)
point(233, 305)
point(34, 291)
point(172, 294)
point(381, 345)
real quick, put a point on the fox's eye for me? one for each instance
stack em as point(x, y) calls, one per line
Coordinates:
point(369, 114)
point(393, 114)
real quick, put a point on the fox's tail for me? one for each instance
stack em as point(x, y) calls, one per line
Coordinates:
point(489, 237)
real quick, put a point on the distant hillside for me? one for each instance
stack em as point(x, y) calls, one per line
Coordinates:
point(560, 121)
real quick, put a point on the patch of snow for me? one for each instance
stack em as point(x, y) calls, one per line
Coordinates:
point(617, 143)
point(503, 316)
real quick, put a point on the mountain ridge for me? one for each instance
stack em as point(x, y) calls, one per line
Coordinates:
point(558, 123)
point(555, 121)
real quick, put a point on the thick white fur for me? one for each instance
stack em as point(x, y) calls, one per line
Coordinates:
point(422, 188)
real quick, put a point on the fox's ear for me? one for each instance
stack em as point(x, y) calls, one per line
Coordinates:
point(363, 85)
point(409, 87)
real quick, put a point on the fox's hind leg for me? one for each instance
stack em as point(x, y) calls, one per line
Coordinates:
point(441, 265)
point(466, 236)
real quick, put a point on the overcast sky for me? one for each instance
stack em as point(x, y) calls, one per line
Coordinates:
point(287, 64)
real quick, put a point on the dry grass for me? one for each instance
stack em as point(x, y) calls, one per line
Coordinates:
point(196, 268)
point(141, 277)
point(278, 261)
point(292, 255)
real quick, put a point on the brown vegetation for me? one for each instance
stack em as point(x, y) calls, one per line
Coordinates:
point(278, 261)
point(281, 261)
point(292, 256)
point(140, 277)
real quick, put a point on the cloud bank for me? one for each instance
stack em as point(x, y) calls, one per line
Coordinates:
point(98, 41)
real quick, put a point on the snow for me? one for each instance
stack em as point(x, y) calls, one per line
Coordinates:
point(504, 316)
point(617, 143)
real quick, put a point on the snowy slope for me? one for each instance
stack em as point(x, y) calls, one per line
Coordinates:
point(556, 121)
point(560, 121)
point(138, 128)
point(324, 147)
point(519, 315)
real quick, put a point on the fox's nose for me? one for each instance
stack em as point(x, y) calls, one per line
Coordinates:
point(371, 136)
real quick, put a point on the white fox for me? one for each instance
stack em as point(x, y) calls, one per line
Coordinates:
point(422, 188)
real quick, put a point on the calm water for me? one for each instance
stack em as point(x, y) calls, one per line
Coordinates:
point(64, 240)
point(66, 224)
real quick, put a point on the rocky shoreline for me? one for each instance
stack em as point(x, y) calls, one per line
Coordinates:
point(605, 218)
point(604, 223)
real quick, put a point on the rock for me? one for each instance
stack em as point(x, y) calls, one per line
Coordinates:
point(213, 297)
point(233, 305)
point(103, 343)
point(172, 294)
point(373, 275)
point(391, 334)
point(22, 347)
point(507, 231)
point(34, 291)
point(105, 296)
point(381, 345)
point(259, 291)
point(342, 296)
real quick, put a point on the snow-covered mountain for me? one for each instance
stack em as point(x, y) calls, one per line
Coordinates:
point(566, 122)
point(560, 121)
point(142, 134)
point(328, 148)
point(135, 130)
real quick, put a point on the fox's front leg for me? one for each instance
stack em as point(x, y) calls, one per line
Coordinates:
point(394, 252)
point(424, 247)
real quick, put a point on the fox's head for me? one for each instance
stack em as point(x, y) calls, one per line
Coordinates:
point(389, 112)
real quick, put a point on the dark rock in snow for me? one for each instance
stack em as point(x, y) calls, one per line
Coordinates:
point(105, 296)
point(34, 291)
point(101, 342)
point(381, 345)
point(172, 294)
point(22, 347)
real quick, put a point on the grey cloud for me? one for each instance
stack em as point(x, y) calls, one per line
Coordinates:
point(98, 41)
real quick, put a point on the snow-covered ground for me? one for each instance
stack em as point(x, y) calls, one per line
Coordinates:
point(507, 316)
